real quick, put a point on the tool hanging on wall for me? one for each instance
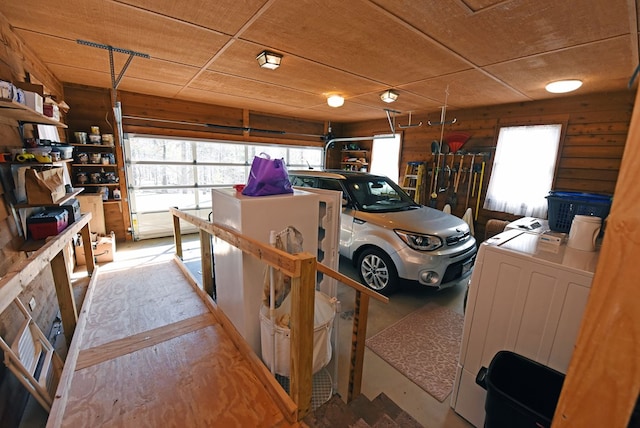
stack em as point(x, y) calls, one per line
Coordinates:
point(434, 191)
point(473, 158)
point(453, 197)
point(480, 188)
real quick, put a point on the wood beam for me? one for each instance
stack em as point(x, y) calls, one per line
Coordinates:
point(64, 293)
point(206, 258)
point(302, 314)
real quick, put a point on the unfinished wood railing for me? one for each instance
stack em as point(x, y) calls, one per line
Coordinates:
point(51, 254)
point(302, 270)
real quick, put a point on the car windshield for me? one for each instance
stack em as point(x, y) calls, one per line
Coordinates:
point(376, 194)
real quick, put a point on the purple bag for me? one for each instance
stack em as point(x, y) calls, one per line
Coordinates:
point(267, 177)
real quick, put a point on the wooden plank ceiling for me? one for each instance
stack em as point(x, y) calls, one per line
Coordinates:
point(486, 52)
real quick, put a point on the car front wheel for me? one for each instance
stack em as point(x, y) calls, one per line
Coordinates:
point(377, 271)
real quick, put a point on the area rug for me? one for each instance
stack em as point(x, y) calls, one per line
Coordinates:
point(423, 346)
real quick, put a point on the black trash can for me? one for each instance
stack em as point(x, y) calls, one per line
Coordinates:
point(520, 392)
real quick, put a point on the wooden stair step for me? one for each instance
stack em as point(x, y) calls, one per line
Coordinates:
point(395, 412)
point(382, 412)
point(332, 414)
point(365, 409)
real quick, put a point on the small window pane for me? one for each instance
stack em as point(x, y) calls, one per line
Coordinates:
point(222, 175)
point(162, 175)
point(220, 152)
point(148, 149)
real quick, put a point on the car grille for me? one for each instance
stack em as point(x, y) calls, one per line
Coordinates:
point(454, 240)
point(454, 270)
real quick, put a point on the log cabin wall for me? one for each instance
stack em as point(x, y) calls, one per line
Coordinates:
point(18, 64)
point(595, 128)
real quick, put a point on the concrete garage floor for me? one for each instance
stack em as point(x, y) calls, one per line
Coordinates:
point(378, 376)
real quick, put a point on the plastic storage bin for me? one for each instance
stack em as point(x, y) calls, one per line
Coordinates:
point(520, 392)
point(563, 206)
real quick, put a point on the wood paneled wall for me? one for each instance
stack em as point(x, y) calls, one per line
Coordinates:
point(592, 143)
point(161, 116)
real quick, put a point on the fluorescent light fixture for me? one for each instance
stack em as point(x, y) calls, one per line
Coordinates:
point(269, 60)
point(563, 86)
point(389, 96)
point(335, 101)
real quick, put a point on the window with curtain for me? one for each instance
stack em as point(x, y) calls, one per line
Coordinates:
point(523, 168)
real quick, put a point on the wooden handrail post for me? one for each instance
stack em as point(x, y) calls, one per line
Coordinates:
point(205, 260)
point(302, 307)
point(358, 339)
point(64, 293)
point(85, 233)
point(177, 236)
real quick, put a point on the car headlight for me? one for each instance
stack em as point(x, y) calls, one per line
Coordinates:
point(420, 242)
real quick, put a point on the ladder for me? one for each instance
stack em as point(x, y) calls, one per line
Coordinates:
point(412, 180)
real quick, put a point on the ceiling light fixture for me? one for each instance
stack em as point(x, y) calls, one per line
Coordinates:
point(269, 60)
point(389, 96)
point(563, 86)
point(335, 101)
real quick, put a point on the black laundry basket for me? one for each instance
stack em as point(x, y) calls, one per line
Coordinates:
point(520, 392)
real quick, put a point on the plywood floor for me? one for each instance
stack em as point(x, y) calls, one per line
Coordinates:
point(152, 354)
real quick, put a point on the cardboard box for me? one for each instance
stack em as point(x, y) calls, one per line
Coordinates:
point(104, 249)
point(45, 186)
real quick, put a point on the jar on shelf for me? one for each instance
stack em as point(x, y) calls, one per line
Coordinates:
point(95, 157)
point(81, 177)
point(107, 139)
point(95, 178)
point(83, 158)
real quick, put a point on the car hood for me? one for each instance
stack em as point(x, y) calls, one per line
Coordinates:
point(420, 220)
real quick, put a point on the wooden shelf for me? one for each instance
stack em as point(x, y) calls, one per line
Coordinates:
point(100, 184)
point(93, 165)
point(99, 146)
point(355, 151)
point(37, 163)
point(67, 197)
point(22, 113)
point(354, 163)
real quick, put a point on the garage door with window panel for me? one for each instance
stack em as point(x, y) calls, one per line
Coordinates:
point(164, 172)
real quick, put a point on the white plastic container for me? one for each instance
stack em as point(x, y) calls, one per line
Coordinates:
point(584, 232)
point(66, 152)
point(324, 313)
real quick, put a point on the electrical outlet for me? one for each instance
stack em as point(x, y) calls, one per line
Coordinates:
point(32, 304)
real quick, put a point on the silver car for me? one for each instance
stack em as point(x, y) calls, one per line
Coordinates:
point(388, 236)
